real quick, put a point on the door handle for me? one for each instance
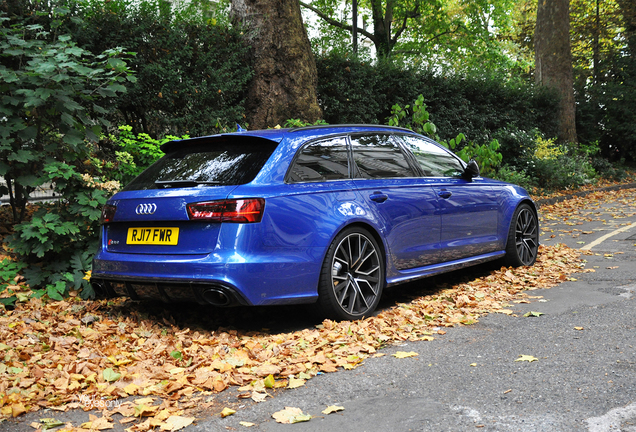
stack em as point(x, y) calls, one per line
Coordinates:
point(378, 197)
point(445, 194)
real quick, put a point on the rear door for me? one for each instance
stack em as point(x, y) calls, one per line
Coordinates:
point(404, 203)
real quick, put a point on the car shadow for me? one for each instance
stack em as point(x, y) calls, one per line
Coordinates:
point(252, 320)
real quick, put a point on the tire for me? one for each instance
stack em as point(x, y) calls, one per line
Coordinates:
point(352, 276)
point(523, 238)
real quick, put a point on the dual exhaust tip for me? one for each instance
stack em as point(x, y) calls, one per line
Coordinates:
point(215, 295)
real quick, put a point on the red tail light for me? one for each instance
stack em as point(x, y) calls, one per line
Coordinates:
point(248, 210)
point(108, 213)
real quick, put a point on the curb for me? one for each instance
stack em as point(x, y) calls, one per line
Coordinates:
point(549, 201)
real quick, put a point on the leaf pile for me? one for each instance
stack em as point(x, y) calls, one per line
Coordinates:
point(590, 208)
point(65, 354)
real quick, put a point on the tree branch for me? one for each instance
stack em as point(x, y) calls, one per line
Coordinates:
point(337, 23)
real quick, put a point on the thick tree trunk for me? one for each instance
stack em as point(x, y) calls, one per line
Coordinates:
point(553, 60)
point(285, 77)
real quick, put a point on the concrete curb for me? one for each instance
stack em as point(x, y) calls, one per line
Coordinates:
point(549, 201)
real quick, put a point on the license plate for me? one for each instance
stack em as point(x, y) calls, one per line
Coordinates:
point(153, 236)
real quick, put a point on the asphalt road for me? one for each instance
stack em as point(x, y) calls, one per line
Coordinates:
point(583, 379)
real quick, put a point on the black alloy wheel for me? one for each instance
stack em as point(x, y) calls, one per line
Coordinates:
point(352, 276)
point(523, 238)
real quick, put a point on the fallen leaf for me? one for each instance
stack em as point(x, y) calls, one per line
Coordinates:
point(110, 375)
point(404, 354)
point(295, 383)
point(227, 412)
point(332, 409)
point(533, 313)
point(259, 397)
point(291, 415)
point(473, 364)
point(17, 409)
point(50, 423)
point(174, 423)
point(143, 410)
point(95, 423)
point(247, 424)
point(578, 328)
point(527, 358)
point(269, 381)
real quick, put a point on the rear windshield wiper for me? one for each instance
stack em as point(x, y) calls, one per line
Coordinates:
point(166, 184)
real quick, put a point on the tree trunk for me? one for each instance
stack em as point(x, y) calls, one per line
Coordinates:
point(553, 60)
point(285, 76)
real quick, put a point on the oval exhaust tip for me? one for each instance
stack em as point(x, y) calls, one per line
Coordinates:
point(216, 297)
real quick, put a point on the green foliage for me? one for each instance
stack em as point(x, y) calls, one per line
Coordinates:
point(486, 155)
point(516, 145)
point(511, 175)
point(608, 170)
point(296, 123)
point(132, 154)
point(604, 59)
point(61, 236)
point(192, 73)
point(54, 97)
point(8, 271)
point(354, 91)
point(419, 121)
point(464, 36)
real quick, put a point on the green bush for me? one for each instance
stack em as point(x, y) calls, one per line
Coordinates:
point(351, 91)
point(192, 73)
point(122, 155)
point(486, 155)
point(511, 175)
point(55, 96)
point(608, 170)
point(60, 239)
point(8, 271)
point(605, 109)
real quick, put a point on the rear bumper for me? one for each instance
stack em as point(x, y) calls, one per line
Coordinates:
point(276, 278)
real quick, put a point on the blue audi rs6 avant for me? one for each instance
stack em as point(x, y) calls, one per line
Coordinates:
point(324, 214)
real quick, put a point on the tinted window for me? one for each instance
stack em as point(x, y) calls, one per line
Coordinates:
point(217, 162)
point(321, 161)
point(434, 160)
point(377, 156)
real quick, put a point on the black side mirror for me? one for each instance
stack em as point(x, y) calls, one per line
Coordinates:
point(471, 170)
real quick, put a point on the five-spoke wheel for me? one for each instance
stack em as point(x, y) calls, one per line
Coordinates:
point(352, 276)
point(523, 237)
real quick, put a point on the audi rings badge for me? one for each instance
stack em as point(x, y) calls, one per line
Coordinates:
point(146, 209)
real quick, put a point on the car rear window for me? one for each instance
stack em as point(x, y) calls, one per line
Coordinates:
point(216, 162)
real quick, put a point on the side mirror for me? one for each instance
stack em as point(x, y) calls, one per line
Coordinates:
point(471, 170)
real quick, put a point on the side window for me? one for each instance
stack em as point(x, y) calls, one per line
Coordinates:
point(321, 161)
point(434, 160)
point(378, 156)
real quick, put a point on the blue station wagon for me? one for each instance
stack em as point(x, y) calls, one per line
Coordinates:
point(329, 215)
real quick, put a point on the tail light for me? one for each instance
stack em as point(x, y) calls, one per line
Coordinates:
point(108, 213)
point(248, 210)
